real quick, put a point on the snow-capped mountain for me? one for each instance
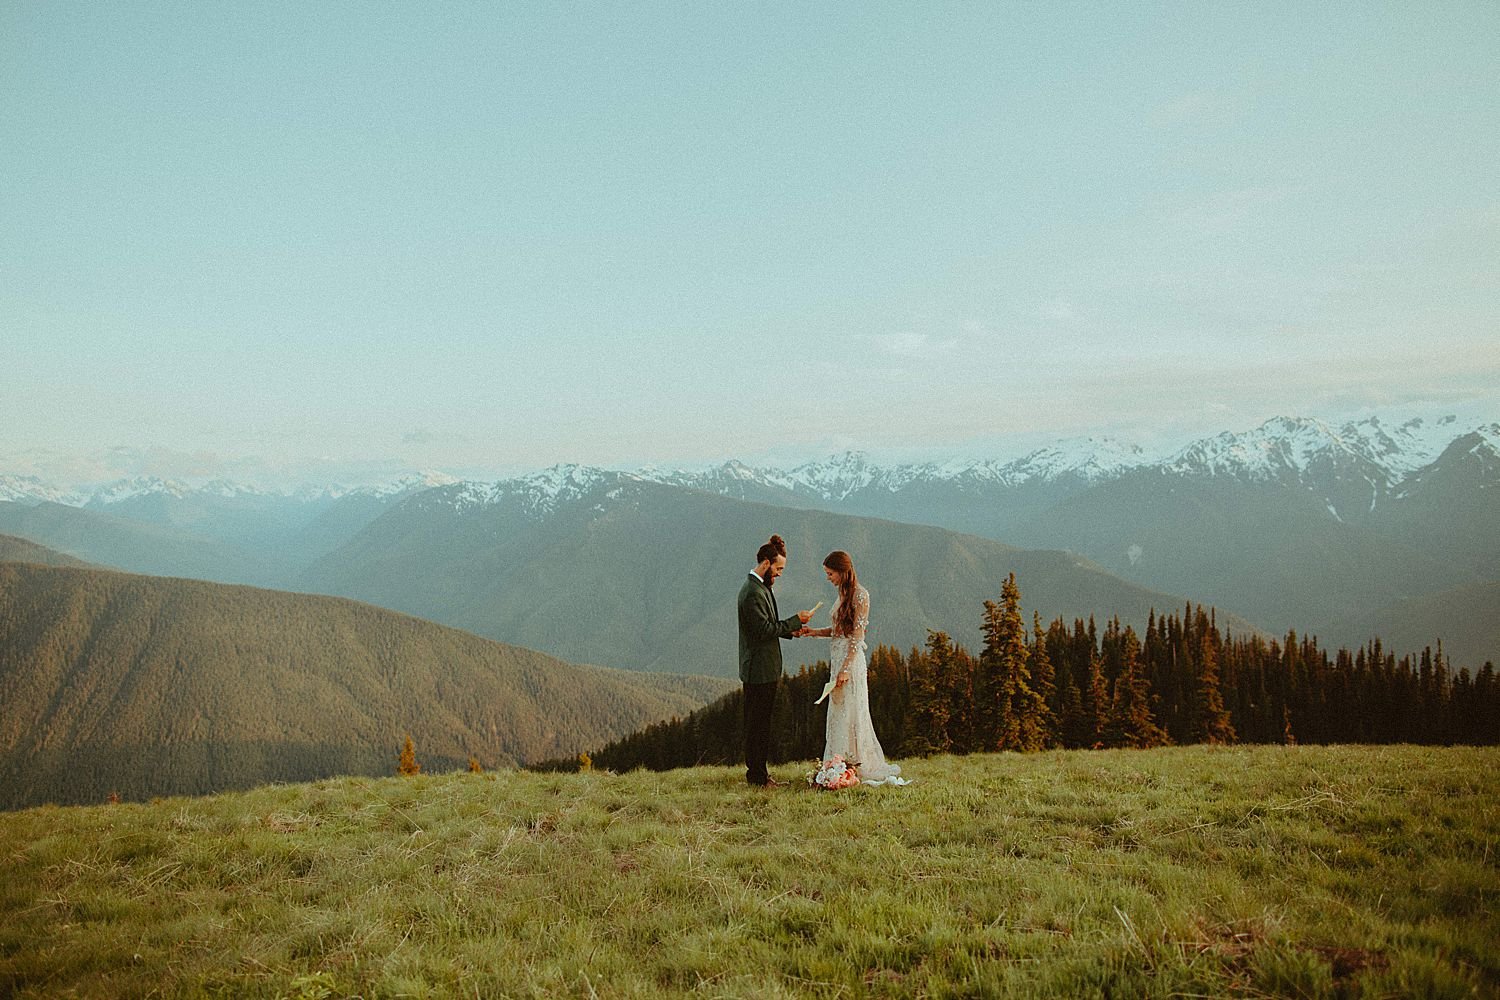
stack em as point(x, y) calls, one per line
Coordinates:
point(853, 475)
point(1276, 449)
point(1380, 451)
point(1088, 459)
point(1295, 523)
point(1472, 459)
point(31, 490)
point(1367, 454)
point(1296, 448)
point(406, 484)
point(535, 496)
point(1408, 446)
point(124, 490)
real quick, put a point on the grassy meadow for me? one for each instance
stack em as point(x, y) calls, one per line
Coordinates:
point(1198, 871)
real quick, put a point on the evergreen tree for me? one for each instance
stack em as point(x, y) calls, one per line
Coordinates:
point(1131, 723)
point(1485, 707)
point(1096, 704)
point(962, 684)
point(1071, 723)
point(990, 695)
point(1210, 721)
point(927, 727)
point(1018, 711)
point(1044, 682)
point(408, 764)
point(890, 694)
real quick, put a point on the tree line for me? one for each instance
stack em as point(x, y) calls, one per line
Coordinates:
point(1075, 687)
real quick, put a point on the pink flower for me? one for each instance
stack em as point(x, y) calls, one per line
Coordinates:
point(834, 773)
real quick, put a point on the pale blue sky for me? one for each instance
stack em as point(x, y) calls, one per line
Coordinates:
point(496, 236)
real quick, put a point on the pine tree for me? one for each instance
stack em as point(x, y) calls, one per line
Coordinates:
point(927, 725)
point(1044, 682)
point(1071, 723)
point(990, 696)
point(408, 763)
point(1096, 704)
point(1209, 722)
point(961, 683)
point(1131, 723)
point(1018, 711)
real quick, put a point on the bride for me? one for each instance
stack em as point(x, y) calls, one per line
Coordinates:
point(850, 732)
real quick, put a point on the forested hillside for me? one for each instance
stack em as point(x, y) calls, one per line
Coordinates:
point(112, 682)
point(13, 549)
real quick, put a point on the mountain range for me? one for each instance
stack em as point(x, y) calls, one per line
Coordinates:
point(1296, 524)
point(115, 682)
point(605, 567)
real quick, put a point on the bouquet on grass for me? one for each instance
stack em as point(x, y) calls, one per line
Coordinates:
point(834, 773)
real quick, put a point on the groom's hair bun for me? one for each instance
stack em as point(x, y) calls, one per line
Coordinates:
point(769, 551)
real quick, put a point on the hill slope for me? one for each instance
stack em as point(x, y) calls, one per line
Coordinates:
point(643, 575)
point(13, 549)
point(138, 547)
point(1466, 619)
point(1269, 550)
point(152, 686)
point(1268, 871)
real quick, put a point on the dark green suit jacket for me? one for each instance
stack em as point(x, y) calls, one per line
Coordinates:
point(761, 633)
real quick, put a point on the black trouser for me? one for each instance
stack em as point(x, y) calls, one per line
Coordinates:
point(759, 700)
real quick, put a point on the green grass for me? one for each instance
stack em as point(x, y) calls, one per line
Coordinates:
point(1303, 872)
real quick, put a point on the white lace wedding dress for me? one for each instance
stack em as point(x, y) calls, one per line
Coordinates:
point(850, 731)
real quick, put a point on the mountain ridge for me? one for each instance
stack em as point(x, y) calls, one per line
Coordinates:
point(581, 582)
point(1396, 449)
point(1296, 523)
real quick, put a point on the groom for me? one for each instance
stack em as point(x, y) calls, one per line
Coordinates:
point(761, 632)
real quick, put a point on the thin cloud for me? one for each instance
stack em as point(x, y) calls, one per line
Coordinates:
point(910, 346)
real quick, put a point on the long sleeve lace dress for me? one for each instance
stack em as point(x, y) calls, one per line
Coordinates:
point(850, 731)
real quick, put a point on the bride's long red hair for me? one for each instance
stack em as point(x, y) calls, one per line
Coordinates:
point(844, 615)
